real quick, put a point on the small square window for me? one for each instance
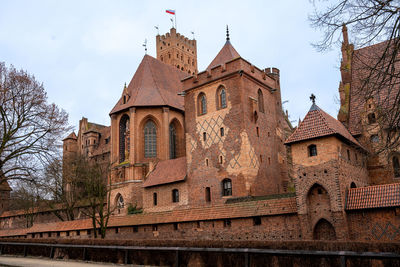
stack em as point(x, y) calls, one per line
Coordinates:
point(227, 223)
point(257, 220)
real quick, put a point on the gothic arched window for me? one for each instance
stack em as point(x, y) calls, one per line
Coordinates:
point(260, 101)
point(227, 187)
point(172, 141)
point(150, 139)
point(124, 138)
point(221, 96)
point(120, 202)
point(396, 166)
point(202, 104)
point(175, 195)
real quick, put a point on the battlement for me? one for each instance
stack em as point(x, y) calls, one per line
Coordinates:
point(177, 50)
point(268, 77)
point(174, 35)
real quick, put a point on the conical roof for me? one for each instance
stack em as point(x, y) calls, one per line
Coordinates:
point(71, 136)
point(318, 123)
point(228, 52)
point(154, 84)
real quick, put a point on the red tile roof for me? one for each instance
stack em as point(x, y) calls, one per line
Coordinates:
point(227, 53)
point(377, 196)
point(363, 59)
point(71, 136)
point(167, 171)
point(154, 84)
point(318, 123)
point(224, 211)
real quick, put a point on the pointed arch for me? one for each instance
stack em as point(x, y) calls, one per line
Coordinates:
point(176, 139)
point(202, 103)
point(324, 230)
point(123, 138)
point(221, 97)
point(260, 99)
point(150, 139)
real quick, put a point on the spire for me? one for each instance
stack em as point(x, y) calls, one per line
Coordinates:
point(227, 33)
point(345, 35)
point(313, 107)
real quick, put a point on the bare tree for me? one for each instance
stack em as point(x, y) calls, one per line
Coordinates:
point(95, 180)
point(369, 22)
point(31, 128)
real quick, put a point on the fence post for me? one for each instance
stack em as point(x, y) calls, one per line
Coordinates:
point(84, 254)
point(342, 261)
point(246, 260)
point(126, 256)
point(177, 258)
point(51, 252)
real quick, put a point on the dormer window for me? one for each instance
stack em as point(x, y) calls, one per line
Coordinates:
point(312, 150)
point(124, 99)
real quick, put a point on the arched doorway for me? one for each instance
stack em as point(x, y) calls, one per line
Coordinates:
point(324, 230)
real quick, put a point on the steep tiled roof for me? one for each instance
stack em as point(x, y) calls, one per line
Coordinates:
point(377, 196)
point(224, 211)
point(154, 84)
point(71, 136)
point(167, 171)
point(227, 53)
point(362, 60)
point(318, 123)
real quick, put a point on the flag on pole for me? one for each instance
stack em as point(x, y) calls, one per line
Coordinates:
point(170, 11)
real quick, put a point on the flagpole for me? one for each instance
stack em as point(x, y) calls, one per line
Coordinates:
point(176, 28)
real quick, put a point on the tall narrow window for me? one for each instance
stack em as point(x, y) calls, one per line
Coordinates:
point(175, 195)
point(150, 140)
point(260, 101)
point(155, 199)
point(221, 98)
point(172, 141)
point(371, 118)
point(396, 166)
point(124, 138)
point(202, 104)
point(227, 187)
point(208, 194)
point(312, 150)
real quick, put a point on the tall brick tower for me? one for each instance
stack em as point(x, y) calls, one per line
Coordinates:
point(234, 130)
point(177, 50)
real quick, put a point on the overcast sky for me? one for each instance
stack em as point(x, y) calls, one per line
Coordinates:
point(84, 51)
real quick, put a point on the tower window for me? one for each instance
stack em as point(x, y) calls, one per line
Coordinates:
point(206, 162)
point(348, 155)
point(227, 187)
point(258, 132)
point(312, 150)
point(175, 195)
point(123, 138)
point(202, 104)
point(220, 160)
point(260, 101)
point(221, 130)
point(172, 141)
point(155, 199)
point(204, 136)
point(208, 194)
point(150, 139)
point(257, 220)
point(221, 98)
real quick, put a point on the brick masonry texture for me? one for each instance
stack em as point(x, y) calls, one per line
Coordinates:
point(313, 182)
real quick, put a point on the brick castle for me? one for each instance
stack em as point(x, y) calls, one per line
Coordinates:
point(212, 155)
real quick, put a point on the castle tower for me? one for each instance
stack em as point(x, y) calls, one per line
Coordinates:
point(5, 190)
point(178, 51)
point(234, 136)
point(327, 162)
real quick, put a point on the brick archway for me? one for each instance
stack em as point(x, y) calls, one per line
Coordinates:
point(323, 230)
